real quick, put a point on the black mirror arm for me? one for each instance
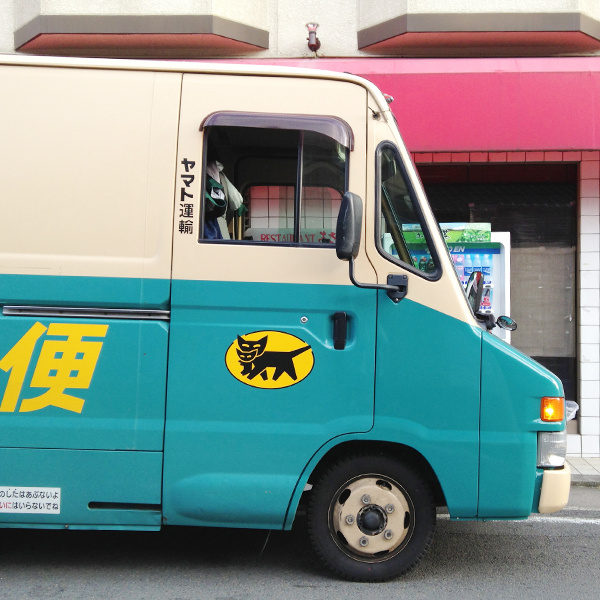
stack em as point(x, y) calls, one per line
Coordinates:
point(487, 319)
point(395, 292)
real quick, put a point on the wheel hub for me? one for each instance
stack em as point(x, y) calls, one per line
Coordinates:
point(372, 529)
point(371, 520)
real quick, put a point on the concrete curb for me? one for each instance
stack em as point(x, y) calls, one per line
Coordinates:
point(585, 480)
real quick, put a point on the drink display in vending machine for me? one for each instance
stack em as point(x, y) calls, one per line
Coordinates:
point(473, 247)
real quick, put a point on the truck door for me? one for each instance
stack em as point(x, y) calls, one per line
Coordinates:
point(257, 382)
point(429, 336)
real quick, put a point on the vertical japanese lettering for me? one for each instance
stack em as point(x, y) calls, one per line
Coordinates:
point(186, 207)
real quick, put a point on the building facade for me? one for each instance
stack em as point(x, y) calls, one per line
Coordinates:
point(497, 102)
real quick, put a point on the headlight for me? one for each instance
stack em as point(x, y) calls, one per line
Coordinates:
point(552, 448)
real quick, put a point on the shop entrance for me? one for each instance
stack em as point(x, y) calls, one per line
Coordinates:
point(537, 204)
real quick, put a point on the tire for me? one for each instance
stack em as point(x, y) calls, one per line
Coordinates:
point(370, 518)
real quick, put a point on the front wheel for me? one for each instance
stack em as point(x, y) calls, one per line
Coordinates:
point(370, 518)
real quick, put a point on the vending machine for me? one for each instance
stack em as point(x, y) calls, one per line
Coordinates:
point(473, 247)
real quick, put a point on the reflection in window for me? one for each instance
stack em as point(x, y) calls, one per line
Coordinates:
point(401, 229)
point(323, 184)
point(260, 172)
point(271, 214)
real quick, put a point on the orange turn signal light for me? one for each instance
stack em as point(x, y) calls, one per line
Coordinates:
point(553, 409)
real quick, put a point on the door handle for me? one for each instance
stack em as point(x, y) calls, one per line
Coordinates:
point(340, 330)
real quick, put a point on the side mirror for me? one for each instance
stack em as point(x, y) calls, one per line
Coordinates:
point(349, 224)
point(506, 323)
point(347, 242)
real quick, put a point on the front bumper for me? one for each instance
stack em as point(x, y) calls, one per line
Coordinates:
point(556, 485)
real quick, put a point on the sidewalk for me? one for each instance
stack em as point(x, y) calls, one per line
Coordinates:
point(584, 471)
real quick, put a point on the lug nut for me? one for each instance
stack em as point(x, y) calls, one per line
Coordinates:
point(366, 499)
point(363, 541)
point(349, 520)
point(388, 534)
point(389, 509)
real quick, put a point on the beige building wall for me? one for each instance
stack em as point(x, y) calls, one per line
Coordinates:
point(251, 12)
point(6, 26)
point(373, 12)
point(283, 22)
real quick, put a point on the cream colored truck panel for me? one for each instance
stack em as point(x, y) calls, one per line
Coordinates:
point(83, 147)
point(444, 295)
point(205, 94)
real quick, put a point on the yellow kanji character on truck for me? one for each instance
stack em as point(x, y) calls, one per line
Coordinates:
point(62, 364)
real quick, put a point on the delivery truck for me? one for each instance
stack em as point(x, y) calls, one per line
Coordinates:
point(212, 316)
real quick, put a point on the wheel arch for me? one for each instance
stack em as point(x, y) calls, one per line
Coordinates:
point(329, 455)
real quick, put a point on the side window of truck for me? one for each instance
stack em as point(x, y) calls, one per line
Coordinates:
point(274, 185)
point(403, 235)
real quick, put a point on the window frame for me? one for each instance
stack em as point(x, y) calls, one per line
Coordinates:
point(314, 123)
point(437, 273)
point(332, 127)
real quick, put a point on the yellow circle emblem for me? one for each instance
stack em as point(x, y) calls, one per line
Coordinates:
point(269, 359)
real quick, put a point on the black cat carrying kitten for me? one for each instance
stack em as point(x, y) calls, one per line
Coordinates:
point(256, 361)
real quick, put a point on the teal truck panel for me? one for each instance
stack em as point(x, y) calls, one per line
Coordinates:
point(234, 451)
point(56, 487)
point(512, 386)
point(427, 393)
point(106, 292)
point(82, 383)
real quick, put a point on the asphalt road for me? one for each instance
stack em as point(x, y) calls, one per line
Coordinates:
point(550, 557)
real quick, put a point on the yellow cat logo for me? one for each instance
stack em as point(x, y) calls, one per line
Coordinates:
point(269, 359)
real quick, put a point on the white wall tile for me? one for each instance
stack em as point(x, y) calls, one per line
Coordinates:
point(589, 330)
point(589, 242)
point(589, 426)
point(277, 222)
point(260, 223)
point(589, 206)
point(589, 261)
point(589, 353)
point(314, 208)
point(589, 297)
point(314, 222)
point(259, 208)
point(590, 445)
point(331, 224)
point(277, 209)
point(589, 389)
point(589, 225)
point(573, 445)
point(313, 192)
point(589, 334)
point(589, 315)
point(589, 371)
point(589, 407)
point(589, 279)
